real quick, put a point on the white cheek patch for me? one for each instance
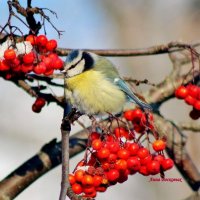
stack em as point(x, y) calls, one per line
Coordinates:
point(76, 70)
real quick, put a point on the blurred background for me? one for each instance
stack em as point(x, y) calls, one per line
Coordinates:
point(100, 24)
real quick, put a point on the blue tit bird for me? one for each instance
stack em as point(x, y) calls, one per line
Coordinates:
point(93, 85)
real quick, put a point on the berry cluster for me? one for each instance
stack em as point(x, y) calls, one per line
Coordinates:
point(140, 120)
point(38, 104)
point(111, 158)
point(191, 96)
point(41, 59)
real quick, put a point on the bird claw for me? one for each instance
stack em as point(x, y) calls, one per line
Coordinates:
point(71, 117)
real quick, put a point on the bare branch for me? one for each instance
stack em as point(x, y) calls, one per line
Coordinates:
point(48, 158)
point(154, 50)
point(138, 82)
point(29, 14)
point(190, 126)
point(176, 150)
point(32, 92)
point(47, 79)
point(65, 158)
point(165, 90)
point(27, 88)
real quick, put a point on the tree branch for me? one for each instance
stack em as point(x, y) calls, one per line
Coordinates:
point(176, 150)
point(190, 126)
point(36, 92)
point(154, 50)
point(165, 90)
point(70, 115)
point(65, 159)
point(48, 158)
point(29, 14)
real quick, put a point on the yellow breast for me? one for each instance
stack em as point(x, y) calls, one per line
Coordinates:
point(94, 94)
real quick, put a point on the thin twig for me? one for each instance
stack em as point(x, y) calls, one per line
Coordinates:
point(48, 80)
point(25, 86)
point(138, 82)
point(30, 11)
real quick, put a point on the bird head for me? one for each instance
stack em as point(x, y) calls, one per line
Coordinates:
point(77, 62)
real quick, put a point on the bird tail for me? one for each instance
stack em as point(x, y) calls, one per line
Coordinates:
point(131, 96)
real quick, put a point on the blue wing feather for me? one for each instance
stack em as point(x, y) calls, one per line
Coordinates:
point(125, 88)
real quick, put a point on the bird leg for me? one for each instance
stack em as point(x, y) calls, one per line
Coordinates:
point(96, 126)
point(118, 119)
point(95, 123)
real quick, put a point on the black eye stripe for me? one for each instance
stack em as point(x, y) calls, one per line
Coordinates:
point(89, 62)
point(73, 66)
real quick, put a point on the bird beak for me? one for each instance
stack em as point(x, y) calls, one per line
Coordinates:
point(65, 68)
point(63, 71)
